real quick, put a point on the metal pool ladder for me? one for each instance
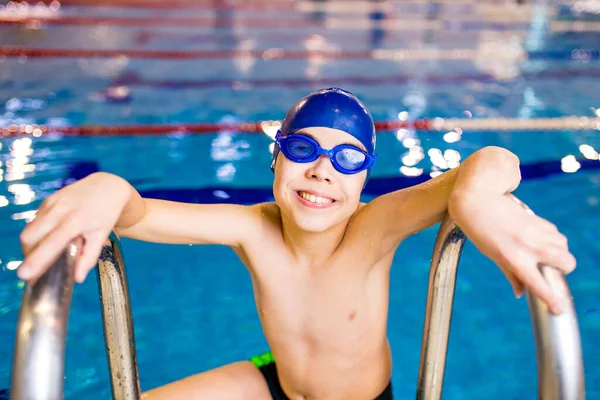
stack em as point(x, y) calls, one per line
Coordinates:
point(39, 357)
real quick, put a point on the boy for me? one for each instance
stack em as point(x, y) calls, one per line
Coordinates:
point(319, 259)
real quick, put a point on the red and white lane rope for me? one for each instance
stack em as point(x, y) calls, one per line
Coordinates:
point(270, 127)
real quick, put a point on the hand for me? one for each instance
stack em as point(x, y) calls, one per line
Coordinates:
point(89, 208)
point(517, 241)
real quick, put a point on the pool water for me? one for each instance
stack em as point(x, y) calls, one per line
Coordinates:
point(192, 305)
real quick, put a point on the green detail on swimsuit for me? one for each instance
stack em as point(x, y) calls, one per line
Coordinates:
point(264, 359)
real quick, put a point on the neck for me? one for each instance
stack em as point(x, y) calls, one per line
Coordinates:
point(312, 248)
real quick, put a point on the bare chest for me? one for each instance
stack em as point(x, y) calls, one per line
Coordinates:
point(328, 304)
point(311, 297)
point(333, 303)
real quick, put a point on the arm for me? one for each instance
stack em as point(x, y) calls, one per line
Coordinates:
point(394, 216)
point(94, 206)
point(476, 196)
point(401, 213)
point(517, 241)
point(162, 221)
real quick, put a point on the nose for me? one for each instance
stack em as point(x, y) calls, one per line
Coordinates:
point(321, 170)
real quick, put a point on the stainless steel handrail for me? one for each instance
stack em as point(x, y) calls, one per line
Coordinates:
point(39, 355)
point(38, 367)
point(557, 337)
point(118, 322)
point(558, 340)
point(438, 309)
point(558, 344)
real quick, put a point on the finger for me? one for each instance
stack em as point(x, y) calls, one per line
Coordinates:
point(547, 225)
point(534, 280)
point(559, 258)
point(48, 203)
point(552, 249)
point(93, 244)
point(516, 284)
point(47, 251)
point(518, 288)
point(514, 281)
point(41, 226)
point(554, 238)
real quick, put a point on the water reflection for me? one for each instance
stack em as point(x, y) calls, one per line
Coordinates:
point(18, 166)
point(410, 142)
point(453, 136)
point(414, 156)
point(23, 193)
point(411, 171)
point(13, 265)
point(452, 158)
point(28, 216)
point(437, 158)
point(226, 172)
point(225, 148)
point(570, 164)
point(588, 152)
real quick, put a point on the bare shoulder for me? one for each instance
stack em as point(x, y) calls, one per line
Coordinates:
point(361, 241)
point(263, 237)
point(268, 210)
point(268, 213)
point(266, 218)
point(390, 218)
point(359, 215)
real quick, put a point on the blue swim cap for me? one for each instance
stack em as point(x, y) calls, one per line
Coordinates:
point(330, 108)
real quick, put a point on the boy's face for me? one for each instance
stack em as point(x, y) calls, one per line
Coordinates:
point(315, 195)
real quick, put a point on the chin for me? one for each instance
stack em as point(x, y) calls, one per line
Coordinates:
point(314, 224)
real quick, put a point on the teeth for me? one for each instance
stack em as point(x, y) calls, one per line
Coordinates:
point(315, 199)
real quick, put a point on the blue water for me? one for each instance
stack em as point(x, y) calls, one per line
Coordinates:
point(194, 310)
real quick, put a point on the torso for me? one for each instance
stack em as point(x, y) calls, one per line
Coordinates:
point(339, 352)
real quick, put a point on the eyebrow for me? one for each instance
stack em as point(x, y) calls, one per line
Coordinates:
point(300, 132)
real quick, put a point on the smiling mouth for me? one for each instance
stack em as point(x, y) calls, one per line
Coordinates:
point(315, 199)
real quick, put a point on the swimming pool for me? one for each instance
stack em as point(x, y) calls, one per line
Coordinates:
point(204, 63)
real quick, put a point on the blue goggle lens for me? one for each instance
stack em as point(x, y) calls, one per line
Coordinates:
point(350, 159)
point(300, 149)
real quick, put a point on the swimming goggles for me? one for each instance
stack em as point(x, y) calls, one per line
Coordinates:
point(345, 158)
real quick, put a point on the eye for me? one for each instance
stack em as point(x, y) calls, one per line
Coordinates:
point(350, 158)
point(300, 148)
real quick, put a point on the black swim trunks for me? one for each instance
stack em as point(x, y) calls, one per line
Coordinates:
point(266, 365)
